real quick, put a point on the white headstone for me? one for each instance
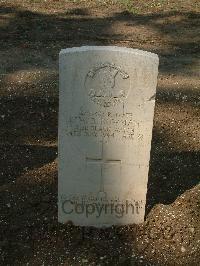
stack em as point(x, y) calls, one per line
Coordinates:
point(107, 97)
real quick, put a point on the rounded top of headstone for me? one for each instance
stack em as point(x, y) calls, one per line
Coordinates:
point(110, 49)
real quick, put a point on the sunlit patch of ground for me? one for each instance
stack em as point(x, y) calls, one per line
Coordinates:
point(32, 34)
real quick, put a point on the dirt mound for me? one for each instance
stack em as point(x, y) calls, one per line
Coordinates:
point(171, 233)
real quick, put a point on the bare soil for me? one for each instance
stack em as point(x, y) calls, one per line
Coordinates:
point(32, 34)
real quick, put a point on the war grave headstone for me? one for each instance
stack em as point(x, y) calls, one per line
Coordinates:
point(106, 109)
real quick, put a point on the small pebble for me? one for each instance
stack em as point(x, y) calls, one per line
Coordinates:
point(183, 249)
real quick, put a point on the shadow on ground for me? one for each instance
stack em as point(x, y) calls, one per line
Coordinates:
point(170, 175)
point(18, 159)
point(170, 34)
point(32, 40)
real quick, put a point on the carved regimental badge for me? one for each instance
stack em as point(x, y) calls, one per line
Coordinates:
point(107, 84)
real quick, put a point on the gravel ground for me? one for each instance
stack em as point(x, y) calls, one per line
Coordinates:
point(32, 34)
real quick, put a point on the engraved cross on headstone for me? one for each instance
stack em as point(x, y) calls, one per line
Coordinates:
point(103, 162)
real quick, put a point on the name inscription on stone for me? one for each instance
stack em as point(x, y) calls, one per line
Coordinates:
point(105, 124)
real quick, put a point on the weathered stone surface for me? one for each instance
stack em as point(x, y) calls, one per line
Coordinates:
point(107, 97)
